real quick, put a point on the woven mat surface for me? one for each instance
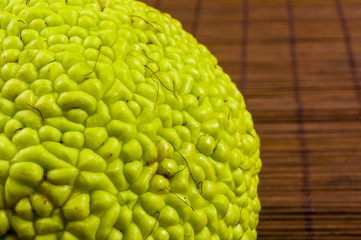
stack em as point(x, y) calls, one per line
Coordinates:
point(298, 64)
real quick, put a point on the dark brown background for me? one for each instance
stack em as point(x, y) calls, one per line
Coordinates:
point(298, 64)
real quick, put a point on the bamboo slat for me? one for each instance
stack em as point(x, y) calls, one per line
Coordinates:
point(298, 65)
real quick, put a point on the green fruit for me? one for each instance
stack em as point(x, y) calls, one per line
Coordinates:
point(116, 124)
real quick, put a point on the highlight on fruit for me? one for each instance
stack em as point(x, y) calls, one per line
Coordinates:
point(116, 124)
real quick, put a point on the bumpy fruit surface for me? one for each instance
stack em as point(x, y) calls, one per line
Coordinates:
point(116, 124)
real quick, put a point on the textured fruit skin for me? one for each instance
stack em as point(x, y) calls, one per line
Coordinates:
point(116, 124)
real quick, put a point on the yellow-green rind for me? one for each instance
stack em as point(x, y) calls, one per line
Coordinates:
point(116, 124)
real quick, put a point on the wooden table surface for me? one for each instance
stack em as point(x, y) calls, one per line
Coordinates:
point(298, 65)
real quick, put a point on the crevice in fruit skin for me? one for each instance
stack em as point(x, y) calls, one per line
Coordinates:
point(101, 6)
point(18, 129)
point(25, 25)
point(229, 113)
point(215, 148)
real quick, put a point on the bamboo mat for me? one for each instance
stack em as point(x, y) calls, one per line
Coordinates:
point(298, 64)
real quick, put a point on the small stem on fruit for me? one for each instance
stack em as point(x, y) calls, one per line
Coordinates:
point(198, 184)
point(169, 20)
point(151, 60)
point(180, 198)
point(156, 100)
point(154, 74)
point(156, 220)
point(37, 110)
point(151, 77)
point(149, 23)
point(96, 61)
point(181, 170)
